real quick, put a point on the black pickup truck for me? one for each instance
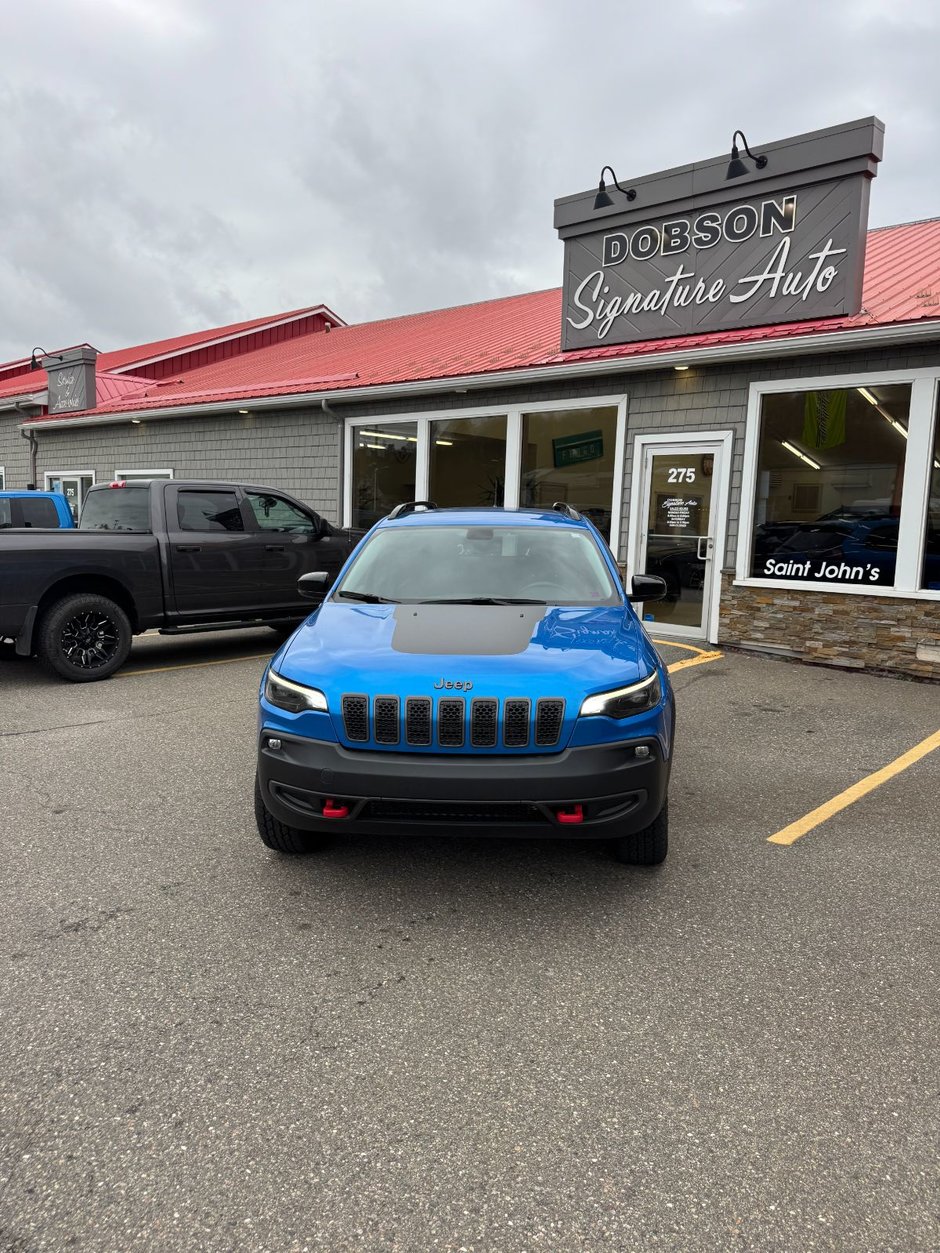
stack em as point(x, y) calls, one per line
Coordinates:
point(167, 555)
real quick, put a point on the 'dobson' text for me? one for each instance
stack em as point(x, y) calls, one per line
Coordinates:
point(772, 277)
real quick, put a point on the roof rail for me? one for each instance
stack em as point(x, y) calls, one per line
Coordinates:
point(562, 506)
point(410, 506)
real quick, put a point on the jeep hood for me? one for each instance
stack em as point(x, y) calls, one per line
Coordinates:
point(499, 650)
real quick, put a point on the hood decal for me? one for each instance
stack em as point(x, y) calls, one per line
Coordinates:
point(465, 630)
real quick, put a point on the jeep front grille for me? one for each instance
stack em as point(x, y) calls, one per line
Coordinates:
point(483, 717)
point(356, 718)
point(549, 715)
point(473, 724)
point(450, 718)
point(516, 714)
point(418, 721)
point(386, 720)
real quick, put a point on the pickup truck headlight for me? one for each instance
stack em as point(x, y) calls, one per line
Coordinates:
point(622, 702)
point(294, 697)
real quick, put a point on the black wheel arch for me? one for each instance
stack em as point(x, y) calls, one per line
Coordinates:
point(89, 585)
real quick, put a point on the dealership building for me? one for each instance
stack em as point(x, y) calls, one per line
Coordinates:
point(737, 383)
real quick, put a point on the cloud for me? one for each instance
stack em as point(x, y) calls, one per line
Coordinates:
point(169, 166)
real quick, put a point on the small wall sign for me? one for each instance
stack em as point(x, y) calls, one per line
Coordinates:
point(572, 450)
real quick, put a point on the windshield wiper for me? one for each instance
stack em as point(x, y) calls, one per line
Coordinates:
point(369, 597)
point(483, 600)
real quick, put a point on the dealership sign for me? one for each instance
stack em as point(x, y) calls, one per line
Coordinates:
point(697, 251)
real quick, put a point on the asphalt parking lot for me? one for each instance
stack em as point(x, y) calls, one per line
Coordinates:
point(465, 1046)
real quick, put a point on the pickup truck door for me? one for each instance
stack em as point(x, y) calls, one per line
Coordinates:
point(215, 559)
point(296, 541)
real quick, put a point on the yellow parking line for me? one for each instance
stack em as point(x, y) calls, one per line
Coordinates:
point(691, 648)
point(791, 833)
point(700, 660)
point(702, 656)
point(192, 665)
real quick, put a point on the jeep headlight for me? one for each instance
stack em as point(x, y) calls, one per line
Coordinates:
point(622, 702)
point(294, 697)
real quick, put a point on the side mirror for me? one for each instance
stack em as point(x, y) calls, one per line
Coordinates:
point(647, 587)
point(313, 586)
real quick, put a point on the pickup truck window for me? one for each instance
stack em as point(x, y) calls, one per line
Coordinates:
point(6, 514)
point(272, 513)
point(116, 509)
point(209, 511)
point(39, 512)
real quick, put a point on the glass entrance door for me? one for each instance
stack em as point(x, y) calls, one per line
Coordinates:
point(72, 486)
point(677, 533)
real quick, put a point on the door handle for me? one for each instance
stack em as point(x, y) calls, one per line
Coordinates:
point(274, 548)
point(707, 541)
point(188, 548)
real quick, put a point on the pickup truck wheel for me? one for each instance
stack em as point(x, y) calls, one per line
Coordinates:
point(83, 638)
point(278, 835)
point(649, 846)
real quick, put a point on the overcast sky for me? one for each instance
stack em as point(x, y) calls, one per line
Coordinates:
point(167, 165)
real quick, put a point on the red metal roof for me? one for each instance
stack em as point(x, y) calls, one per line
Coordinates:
point(17, 379)
point(902, 284)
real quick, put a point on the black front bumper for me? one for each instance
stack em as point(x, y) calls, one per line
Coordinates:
point(386, 793)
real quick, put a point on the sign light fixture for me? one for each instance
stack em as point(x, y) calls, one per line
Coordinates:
point(736, 167)
point(602, 200)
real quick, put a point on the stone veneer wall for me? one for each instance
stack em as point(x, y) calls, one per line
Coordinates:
point(836, 629)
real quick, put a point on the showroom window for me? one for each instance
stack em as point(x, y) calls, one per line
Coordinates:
point(467, 461)
point(384, 469)
point(495, 456)
point(930, 570)
point(829, 484)
point(569, 455)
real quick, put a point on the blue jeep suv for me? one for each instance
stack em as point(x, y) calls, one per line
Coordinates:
point(471, 672)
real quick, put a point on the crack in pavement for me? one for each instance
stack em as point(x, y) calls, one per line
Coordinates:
point(98, 722)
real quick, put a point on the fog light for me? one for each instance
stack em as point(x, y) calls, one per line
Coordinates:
point(274, 744)
point(642, 751)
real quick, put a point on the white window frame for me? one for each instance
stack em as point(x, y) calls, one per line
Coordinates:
point(721, 495)
point(513, 414)
point(49, 475)
point(120, 475)
point(3, 478)
point(915, 489)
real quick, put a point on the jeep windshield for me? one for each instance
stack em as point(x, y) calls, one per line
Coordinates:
point(476, 565)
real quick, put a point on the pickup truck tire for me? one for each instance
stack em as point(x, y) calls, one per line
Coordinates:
point(278, 835)
point(649, 846)
point(84, 638)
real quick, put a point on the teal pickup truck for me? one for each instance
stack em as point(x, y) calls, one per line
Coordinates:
point(43, 510)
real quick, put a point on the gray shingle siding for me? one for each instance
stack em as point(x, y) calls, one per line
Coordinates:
point(298, 449)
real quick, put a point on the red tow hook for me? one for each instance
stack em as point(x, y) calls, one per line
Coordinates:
point(572, 814)
point(334, 809)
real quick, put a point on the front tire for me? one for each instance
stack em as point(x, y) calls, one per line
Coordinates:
point(84, 638)
point(647, 847)
point(278, 835)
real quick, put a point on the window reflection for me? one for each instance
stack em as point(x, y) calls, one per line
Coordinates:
point(930, 574)
point(384, 459)
point(829, 482)
point(569, 455)
point(467, 460)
